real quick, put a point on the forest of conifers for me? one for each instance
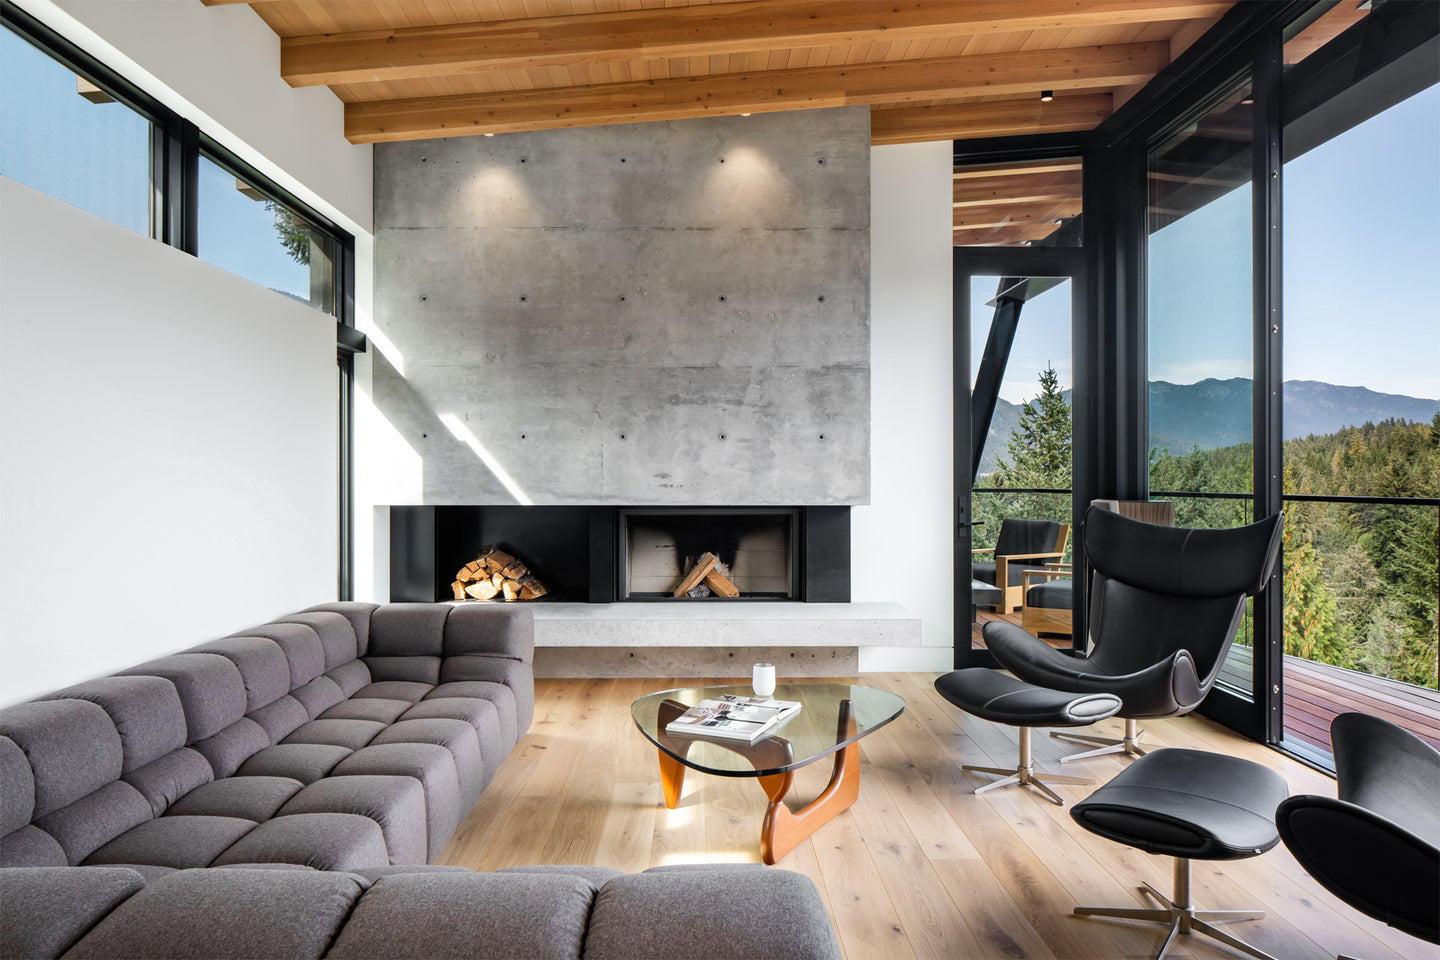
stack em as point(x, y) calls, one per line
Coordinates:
point(1361, 581)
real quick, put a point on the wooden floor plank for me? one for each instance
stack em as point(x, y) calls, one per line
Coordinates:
point(920, 866)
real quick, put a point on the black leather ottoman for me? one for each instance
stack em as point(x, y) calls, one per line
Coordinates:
point(1000, 698)
point(1190, 805)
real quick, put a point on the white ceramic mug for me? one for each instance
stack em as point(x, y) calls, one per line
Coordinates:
point(762, 678)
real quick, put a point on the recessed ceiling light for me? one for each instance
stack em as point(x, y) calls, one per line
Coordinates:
point(1047, 95)
point(489, 134)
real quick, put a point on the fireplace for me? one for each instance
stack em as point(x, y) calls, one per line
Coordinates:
point(603, 554)
point(754, 550)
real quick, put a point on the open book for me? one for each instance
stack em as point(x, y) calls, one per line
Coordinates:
point(729, 717)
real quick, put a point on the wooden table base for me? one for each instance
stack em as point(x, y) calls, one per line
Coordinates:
point(781, 831)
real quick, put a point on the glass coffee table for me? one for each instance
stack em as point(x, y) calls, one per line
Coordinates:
point(833, 719)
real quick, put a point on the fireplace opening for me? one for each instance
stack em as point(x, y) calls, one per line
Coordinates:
point(600, 554)
point(754, 550)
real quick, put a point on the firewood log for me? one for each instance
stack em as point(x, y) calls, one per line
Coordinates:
point(459, 587)
point(482, 590)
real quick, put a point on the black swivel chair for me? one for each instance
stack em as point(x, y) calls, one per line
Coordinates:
point(1164, 605)
point(1377, 846)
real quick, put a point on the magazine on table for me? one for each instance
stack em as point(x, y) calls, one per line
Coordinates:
point(730, 717)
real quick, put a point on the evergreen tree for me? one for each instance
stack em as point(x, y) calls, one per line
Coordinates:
point(1039, 448)
point(1039, 457)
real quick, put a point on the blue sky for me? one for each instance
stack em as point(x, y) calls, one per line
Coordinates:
point(1362, 291)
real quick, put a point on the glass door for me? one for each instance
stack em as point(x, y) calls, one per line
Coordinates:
point(1015, 470)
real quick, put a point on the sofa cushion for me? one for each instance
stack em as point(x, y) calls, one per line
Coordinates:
point(497, 693)
point(365, 708)
point(325, 841)
point(168, 779)
point(306, 762)
point(318, 695)
point(280, 718)
point(146, 712)
point(251, 798)
point(33, 927)
point(226, 914)
point(340, 733)
point(498, 916)
point(31, 847)
point(17, 788)
point(210, 688)
point(350, 677)
point(671, 914)
point(94, 820)
point(519, 677)
point(174, 841)
point(232, 746)
point(396, 804)
point(408, 630)
point(409, 691)
point(357, 613)
point(482, 717)
point(457, 736)
point(424, 670)
point(432, 765)
point(301, 646)
point(71, 745)
point(336, 633)
point(490, 631)
point(263, 667)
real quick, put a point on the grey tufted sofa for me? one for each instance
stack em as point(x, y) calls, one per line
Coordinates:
point(430, 912)
point(349, 736)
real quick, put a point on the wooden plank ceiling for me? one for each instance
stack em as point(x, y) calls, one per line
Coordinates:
point(929, 69)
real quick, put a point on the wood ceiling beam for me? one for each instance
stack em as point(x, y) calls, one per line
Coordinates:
point(964, 121)
point(692, 31)
point(1005, 214)
point(1008, 234)
point(978, 171)
point(1067, 68)
point(1031, 186)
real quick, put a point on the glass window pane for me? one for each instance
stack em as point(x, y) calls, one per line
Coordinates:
point(1200, 304)
point(247, 233)
point(66, 137)
point(1031, 204)
point(1362, 414)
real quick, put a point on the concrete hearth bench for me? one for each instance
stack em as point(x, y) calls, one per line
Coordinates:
point(349, 736)
point(434, 912)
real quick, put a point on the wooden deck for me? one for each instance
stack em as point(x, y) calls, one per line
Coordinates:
point(1315, 693)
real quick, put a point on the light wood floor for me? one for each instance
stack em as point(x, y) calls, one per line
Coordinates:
point(919, 866)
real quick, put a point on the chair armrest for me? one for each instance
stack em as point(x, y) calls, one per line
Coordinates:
point(982, 549)
point(1031, 556)
point(1044, 573)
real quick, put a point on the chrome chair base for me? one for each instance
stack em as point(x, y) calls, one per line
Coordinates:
point(1024, 773)
point(1129, 745)
point(1182, 917)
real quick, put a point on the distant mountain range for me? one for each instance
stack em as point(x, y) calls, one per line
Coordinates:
point(1216, 413)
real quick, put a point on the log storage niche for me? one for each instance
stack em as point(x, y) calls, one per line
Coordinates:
point(496, 575)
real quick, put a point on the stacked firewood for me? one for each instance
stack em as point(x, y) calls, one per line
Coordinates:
point(495, 575)
point(704, 577)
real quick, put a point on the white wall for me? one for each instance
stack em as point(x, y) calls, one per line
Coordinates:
point(167, 448)
point(909, 519)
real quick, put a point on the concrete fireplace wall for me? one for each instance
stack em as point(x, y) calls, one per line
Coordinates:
point(659, 313)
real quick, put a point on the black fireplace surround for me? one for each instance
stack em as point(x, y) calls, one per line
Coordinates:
point(580, 552)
